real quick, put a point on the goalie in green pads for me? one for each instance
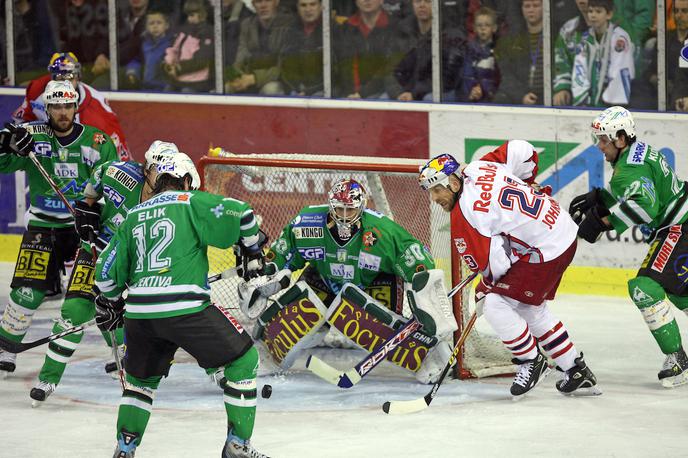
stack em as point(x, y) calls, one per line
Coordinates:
point(359, 265)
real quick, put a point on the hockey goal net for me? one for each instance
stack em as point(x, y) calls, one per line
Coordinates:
point(278, 186)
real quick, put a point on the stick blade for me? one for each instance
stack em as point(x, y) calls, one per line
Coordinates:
point(10, 346)
point(323, 370)
point(404, 407)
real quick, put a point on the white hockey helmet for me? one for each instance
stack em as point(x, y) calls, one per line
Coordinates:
point(60, 92)
point(437, 171)
point(349, 195)
point(179, 165)
point(158, 152)
point(610, 122)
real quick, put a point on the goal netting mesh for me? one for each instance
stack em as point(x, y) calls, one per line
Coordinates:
point(278, 186)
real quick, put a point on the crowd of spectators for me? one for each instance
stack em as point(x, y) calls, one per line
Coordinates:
point(491, 51)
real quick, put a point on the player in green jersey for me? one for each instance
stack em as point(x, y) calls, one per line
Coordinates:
point(121, 185)
point(159, 255)
point(69, 152)
point(355, 260)
point(643, 191)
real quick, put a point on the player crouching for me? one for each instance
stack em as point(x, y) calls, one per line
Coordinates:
point(359, 267)
point(159, 254)
point(521, 242)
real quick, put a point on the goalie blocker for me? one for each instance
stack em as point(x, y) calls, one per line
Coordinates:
point(299, 320)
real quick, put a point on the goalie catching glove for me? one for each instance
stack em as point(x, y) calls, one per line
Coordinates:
point(109, 313)
point(254, 294)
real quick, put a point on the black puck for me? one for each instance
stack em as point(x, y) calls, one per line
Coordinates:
point(267, 391)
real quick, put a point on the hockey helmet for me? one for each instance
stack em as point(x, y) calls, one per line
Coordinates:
point(64, 64)
point(437, 171)
point(349, 195)
point(60, 92)
point(610, 122)
point(158, 152)
point(178, 165)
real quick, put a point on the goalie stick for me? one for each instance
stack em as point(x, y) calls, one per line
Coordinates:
point(18, 347)
point(416, 405)
point(349, 378)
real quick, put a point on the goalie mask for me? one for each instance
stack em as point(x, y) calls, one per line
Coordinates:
point(347, 200)
point(437, 171)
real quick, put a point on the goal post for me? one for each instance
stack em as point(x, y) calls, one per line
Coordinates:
point(278, 186)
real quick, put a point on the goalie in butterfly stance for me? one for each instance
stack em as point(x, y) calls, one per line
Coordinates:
point(643, 191)
point(521, 242)
point(357, 264)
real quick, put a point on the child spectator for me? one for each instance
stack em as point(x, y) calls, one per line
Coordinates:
point(604, 61)
point(156, 40)
point(189, 60)
point(565, 46)
point(480, 72)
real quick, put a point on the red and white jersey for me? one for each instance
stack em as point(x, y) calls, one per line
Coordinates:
point(94, 110)
point(500, 219)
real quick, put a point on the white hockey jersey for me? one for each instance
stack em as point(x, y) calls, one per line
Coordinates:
point(500, 219)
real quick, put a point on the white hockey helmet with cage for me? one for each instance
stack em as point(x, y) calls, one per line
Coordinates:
point(60, 93)
point(179, 165)
point(610, 122)
point(347, 200)
point(437, 171)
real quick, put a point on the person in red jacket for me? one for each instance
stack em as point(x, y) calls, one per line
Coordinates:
point(93, 107)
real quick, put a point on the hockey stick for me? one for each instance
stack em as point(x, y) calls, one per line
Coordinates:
point(18, 347)
point(416, 405)
point(349, 378)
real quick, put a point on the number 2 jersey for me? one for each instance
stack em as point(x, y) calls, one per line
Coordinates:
point(159, 252)
point(499, 219)
point(379, 245)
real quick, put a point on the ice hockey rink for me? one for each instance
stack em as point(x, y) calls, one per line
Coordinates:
point(306, 417)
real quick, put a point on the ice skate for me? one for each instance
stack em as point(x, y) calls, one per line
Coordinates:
point(126, 445)
point(675, 370)
point(530, 373)
point(239, 448)
point(7, 363)
point(40, 392)
point(579, 380)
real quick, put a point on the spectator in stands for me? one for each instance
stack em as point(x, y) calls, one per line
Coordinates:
point(302, 61)
point(145, 70)
point(635, 17)
point(677, 67)
point(262, 38)
point(93, 108)
point(603, 62)
point(33, 39)
point(84, 31)
point(188, 62)
point(233, 12)
point(414, 72)
point(520, 59)
point(509, 17)
point(480, 71)
point(367, 51)
point(567, 41)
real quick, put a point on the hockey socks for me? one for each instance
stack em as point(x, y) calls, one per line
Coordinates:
point(135, 407)
point(240, 393)
point(19, 311)
point(649, 297)
point(556, 343)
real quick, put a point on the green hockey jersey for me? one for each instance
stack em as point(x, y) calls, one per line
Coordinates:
point(645, 191)
point(70, 166)
point(119, 184)
point(380, 245)
point(159, 252)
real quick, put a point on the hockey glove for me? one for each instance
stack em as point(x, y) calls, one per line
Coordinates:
point(581, 204)
point(482, 289)
point(23, 140)
point(87, 219)
point(542, 189)
point(249, 260)
point(592, 226)
point(109, 314)
point(254, 294)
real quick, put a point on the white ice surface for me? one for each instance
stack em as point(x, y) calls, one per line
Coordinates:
point(306, 417)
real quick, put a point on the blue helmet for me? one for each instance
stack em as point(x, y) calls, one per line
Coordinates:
point(437, 171)
point(63, 64)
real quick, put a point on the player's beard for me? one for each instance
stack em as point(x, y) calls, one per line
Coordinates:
point(62, 124)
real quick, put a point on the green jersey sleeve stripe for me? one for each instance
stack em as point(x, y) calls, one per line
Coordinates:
point(630, 211)
point(162, 307)
point(616, 211)
point(639, 211)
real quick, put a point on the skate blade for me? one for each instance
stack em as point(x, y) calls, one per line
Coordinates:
point(36, 404)
point(678, 380)
point(542, 377)
point(583, 392)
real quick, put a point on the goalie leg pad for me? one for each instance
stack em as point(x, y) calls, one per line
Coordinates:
point(291, 324)
point(434, 362)
point(368, 327)
point(430, 305)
